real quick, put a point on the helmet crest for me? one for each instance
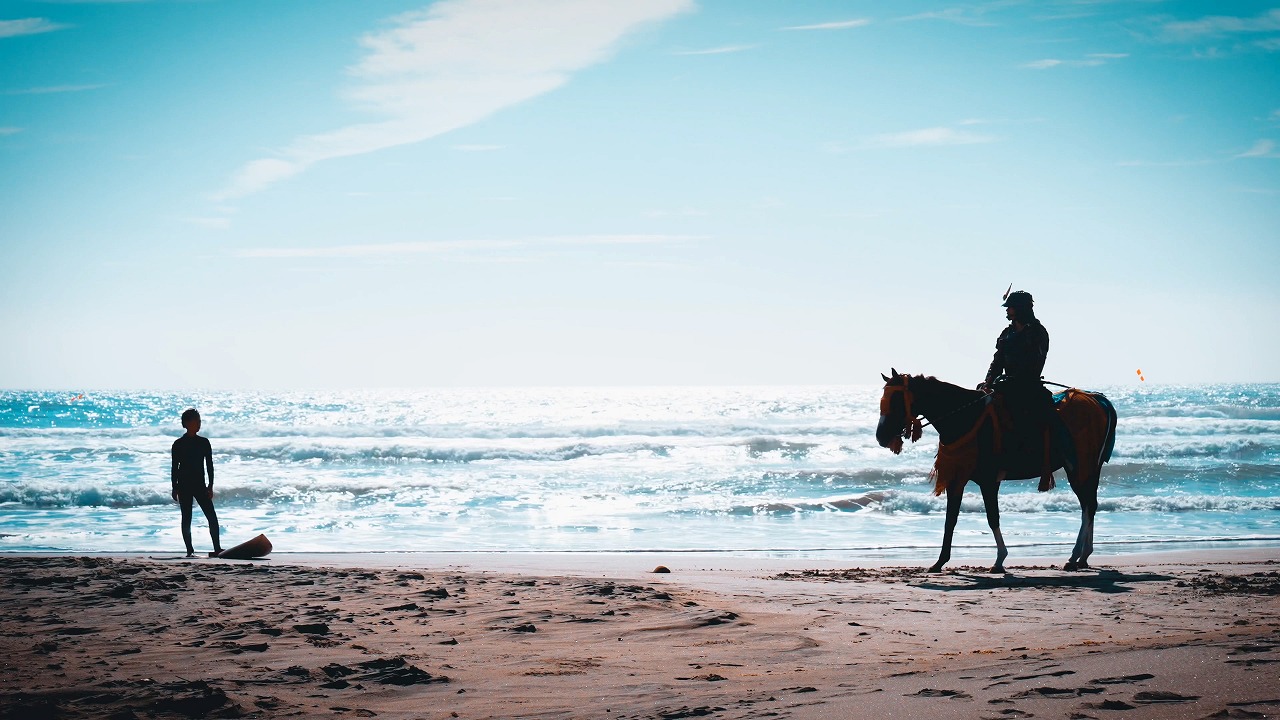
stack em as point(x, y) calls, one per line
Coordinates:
point(1018, 299)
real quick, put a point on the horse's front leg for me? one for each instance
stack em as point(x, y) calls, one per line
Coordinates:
point(955, 491)
point(991, 499)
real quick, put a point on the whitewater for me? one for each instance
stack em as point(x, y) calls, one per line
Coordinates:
point(740, 470)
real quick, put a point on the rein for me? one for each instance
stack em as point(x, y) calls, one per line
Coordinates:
point(912, 428)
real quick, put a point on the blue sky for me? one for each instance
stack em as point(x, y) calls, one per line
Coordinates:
point(312, 194)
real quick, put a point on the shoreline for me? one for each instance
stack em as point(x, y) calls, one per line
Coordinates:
point(527, 561)
point(492, 635)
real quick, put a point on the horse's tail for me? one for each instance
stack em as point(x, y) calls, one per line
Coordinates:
point(1091, 419)
point(1110, 444)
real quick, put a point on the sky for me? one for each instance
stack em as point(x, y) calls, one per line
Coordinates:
point(297, 194)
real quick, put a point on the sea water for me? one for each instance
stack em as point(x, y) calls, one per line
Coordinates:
point(745, 470)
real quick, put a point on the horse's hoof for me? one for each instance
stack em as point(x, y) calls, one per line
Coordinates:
point(1073, 566)
point(935, 568)
point(998, 570)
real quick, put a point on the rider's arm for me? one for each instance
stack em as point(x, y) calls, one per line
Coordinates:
point(997, 366)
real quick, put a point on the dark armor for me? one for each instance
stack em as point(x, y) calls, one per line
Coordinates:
point(1020, 354)
point(1015, 374)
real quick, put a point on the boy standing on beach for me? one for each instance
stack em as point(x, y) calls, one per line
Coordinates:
point(191, 455)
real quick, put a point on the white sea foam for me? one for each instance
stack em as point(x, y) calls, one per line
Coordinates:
point(600, 469)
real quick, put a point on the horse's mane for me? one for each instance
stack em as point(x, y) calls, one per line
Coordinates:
point(921, 378)
point(938, 385)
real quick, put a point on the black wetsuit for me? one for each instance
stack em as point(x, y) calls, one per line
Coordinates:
point(191, 455)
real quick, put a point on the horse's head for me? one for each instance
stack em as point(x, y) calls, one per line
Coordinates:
point(897, 418)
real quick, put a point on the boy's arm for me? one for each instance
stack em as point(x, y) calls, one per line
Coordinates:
point(208, 461)
point(173, 473)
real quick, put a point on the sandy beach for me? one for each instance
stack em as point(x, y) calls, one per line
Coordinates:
point(1174, 635)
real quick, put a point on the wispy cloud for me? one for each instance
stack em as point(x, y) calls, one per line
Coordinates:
point(1166, 163)
point(1261, 149)
point(454, 64)
point(10, 130)
point(1090, 60)
point(28, 26)
point(1264, 148)
point(1222, 25)
point(465, 247)
point(53, 89)
point(959, 16)
point(1000, 121)
point(1237, 34)
point(935, 136)
point(717, 50)
point(477, 148)
point(213, 223)
point(837, 25)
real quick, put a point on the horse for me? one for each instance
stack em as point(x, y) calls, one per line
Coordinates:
point(969, 437)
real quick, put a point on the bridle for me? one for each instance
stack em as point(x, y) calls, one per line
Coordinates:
point(912, 428)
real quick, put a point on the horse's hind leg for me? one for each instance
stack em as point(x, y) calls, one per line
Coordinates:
point(990, 498)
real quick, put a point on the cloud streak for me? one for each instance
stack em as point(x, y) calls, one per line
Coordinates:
point(454, 64)
point(837, 25)
point(1261, 149)
point(927, 137)
point(971, 17)
point(717, 50)
point(52, 89)
point(1222, 25)
point(28, 26)
point(1090, 60)
point(447, 247)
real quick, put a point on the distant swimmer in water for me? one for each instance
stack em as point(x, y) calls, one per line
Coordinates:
point(191, 455)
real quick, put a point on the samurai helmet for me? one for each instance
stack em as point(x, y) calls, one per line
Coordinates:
point(1018, 299)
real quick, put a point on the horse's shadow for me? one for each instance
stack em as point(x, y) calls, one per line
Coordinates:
point(1103, 581)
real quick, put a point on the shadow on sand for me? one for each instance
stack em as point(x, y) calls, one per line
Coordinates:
point(1104, 581)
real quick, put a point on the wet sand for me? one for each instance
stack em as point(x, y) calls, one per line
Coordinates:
point(1180, 635)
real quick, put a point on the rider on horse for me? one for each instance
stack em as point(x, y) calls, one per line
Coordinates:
point(1015, 371)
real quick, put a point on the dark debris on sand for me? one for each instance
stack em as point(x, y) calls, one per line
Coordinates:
point(1259, 583)
point(241, 631)
point(188, 699)
point(888, 574)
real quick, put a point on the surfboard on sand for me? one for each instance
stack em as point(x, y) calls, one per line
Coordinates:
point(255, 548)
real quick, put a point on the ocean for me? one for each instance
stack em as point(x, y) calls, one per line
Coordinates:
point(769, 470)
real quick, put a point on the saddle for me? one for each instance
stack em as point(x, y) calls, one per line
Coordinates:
point(1024, 453)
point(1052, 448)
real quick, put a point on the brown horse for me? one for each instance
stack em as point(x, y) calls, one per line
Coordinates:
point(969, 449)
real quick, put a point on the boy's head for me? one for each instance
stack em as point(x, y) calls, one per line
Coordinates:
point(191, 420)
